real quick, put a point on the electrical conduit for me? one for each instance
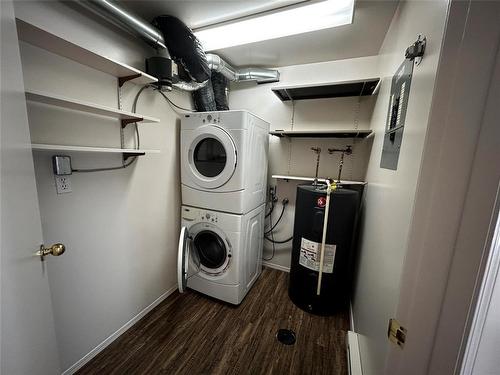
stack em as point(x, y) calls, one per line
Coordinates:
point(329, 188)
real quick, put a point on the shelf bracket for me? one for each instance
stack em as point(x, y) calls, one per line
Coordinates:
point(122, 80)
point(125, 122)
point(127, 155)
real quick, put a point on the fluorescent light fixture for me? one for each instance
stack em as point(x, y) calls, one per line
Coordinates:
point(311, 17)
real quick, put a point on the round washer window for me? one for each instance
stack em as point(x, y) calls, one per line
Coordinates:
point(209, 157)
point(210, 249)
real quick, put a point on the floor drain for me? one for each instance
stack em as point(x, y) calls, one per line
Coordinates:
point(286, 336)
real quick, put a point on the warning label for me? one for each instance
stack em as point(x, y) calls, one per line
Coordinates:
point(310, 253)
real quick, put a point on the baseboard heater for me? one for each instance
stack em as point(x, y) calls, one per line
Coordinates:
point(353, 356)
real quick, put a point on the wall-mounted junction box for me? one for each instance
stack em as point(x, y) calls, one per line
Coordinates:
point(61, 165)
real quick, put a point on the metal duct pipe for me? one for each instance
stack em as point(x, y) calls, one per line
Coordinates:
point(260, 75)
point(121, 17)
point(113, 12)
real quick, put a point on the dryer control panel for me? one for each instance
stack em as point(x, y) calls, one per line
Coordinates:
point(205, 118)
point(195, 214)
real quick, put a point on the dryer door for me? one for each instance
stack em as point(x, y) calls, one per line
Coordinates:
point(212, 157)
point(188, 262)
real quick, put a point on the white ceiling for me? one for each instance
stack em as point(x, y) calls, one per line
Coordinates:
point(362, 38)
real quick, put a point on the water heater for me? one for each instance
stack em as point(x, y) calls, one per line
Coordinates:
point(336, 277)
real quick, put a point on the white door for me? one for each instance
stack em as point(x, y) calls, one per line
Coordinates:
point(203, 247)
point(28, 340)
point(188, 263)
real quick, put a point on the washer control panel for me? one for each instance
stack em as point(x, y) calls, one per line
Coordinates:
point(194, 214)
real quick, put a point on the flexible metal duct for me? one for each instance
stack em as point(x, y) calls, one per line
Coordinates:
point(114, 13)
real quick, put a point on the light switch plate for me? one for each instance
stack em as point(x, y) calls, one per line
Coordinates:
point(63, 184)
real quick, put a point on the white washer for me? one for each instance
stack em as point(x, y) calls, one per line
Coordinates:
point(220, 254)
point(224, 160)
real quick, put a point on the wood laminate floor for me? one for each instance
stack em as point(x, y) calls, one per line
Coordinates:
point(193, 334)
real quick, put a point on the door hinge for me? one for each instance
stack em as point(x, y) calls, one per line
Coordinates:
point(396, 333)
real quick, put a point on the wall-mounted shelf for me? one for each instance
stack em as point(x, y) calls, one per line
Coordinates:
point(362, 87)
point(96, 109)
point(108, 150)
point(50, 42)
point(321, 133)
point(300, 178)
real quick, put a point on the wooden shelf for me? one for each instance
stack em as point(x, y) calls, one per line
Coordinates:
point(362, 87)
point(96, 109)
point(321, 133)
point(109, 150)
point(299, 178)
point(50, 42)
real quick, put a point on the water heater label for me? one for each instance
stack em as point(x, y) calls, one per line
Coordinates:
point(310, 253)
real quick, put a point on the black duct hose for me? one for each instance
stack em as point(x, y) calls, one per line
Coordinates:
point(185, 49)
point(219, 84)
point(204, 99)
point(213, 96)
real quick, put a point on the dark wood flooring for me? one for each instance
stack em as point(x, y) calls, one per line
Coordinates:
point(193, 334)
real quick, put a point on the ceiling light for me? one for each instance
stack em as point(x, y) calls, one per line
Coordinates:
point(311, 17)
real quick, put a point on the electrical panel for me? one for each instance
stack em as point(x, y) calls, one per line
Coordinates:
point(396, 115)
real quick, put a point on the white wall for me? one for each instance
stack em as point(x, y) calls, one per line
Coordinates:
point(389, 202)
point(295, 157)
point(436, 295)
point(120, 227)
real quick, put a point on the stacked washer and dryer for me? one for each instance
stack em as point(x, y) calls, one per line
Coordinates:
point(224, 179)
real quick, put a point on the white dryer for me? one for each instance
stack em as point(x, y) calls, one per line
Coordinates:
point(220, 254)
point(224, 160)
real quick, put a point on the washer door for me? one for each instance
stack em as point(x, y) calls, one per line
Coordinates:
point(188, 262)
point(212, 251)
point(211, 157)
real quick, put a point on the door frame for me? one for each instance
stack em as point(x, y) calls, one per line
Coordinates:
point(455, 198)
point(484, 299)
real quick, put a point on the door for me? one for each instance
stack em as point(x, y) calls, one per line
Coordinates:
point(211, 157)
point(188, 263)
point(28, 340)
point(202, 248)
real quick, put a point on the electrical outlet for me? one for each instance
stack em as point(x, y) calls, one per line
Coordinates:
point(63, 184)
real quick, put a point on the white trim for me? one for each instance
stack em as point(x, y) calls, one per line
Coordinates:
point(353, 356)
point(99, 348)
point(276, 266)
point(484, 300)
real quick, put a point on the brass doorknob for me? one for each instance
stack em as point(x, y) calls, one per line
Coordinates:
point(56, 250)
